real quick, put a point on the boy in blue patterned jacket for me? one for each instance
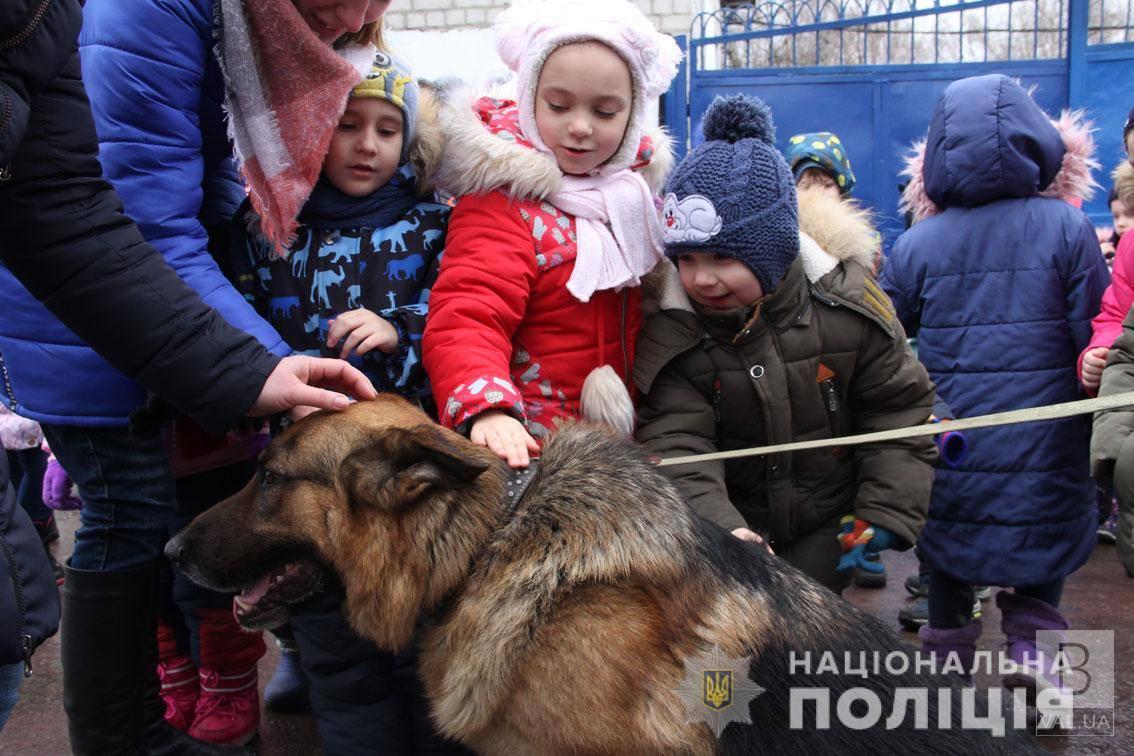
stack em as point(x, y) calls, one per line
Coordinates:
point(355, 284)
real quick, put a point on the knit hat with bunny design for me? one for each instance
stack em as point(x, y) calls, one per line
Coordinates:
point(734, 195)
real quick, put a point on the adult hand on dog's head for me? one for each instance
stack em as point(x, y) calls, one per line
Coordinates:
point(745, 534)
point(295, 414)
point(505, 436)
point(313, 381)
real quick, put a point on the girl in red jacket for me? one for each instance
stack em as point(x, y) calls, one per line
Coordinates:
point(1118, 297)
point(535, 312)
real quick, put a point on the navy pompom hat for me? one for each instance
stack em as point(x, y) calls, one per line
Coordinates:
point(734, 194)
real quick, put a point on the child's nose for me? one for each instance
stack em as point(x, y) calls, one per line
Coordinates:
point(579, 127)
point(368, 143)
point(352, 14)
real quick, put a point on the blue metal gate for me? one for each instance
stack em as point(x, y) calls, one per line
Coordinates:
point(871, 70)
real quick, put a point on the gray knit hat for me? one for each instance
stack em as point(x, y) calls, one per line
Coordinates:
point(735, 195)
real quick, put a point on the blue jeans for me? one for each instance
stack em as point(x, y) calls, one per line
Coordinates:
point(11, 675)
point(126, 484)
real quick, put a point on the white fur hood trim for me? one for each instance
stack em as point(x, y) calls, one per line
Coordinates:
point(476, 161)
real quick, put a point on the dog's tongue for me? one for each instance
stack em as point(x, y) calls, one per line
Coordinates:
point(247, 598)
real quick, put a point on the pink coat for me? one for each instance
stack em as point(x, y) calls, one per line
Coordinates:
point(1116, 301)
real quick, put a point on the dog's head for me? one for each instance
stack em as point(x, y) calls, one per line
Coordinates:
point(377, 495)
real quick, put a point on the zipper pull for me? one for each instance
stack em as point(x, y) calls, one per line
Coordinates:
point(6, 172)
point(832, 395)
point(717, 400)
point(27, 655)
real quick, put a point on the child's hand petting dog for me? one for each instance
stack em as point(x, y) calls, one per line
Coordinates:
point(362, 330)
point(505, 436)
point(745, 534)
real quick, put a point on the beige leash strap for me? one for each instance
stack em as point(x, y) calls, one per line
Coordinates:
point(1030, 415)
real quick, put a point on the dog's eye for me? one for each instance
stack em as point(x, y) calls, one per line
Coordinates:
point(268, 478)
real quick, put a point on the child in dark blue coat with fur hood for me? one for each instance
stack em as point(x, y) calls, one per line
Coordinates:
point(999, 278)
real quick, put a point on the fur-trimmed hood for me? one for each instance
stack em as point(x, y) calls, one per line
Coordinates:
point(485, 150)
point(988, 140)
point(831, 231)
point(1123, 177)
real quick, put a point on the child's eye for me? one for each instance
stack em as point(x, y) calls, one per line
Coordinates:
point(685, 258)
point(388, 133)
point(605, 114)
point(556, 108)
point(346, 126)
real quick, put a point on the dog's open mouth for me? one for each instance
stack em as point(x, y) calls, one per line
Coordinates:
point(265, 604)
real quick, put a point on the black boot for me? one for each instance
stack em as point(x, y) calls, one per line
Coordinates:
point(109, 652)
point(100, 649)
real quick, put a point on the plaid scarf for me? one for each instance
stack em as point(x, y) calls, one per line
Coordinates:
point(284, 92)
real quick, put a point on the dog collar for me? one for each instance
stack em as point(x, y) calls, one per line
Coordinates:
point(518, 483)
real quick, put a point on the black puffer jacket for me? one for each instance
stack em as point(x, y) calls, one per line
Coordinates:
point(65, 237)
point(29, 600)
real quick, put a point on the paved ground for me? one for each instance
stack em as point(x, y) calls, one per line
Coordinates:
point(1098, 597)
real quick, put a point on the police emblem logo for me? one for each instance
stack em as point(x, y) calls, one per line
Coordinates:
point(718, 688)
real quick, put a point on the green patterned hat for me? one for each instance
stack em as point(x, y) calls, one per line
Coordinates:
point(822, 150)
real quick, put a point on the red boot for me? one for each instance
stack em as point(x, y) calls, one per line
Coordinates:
point(228, 709)
point(178, 675)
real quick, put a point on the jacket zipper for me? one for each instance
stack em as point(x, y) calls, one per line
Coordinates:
point(7, 383)
point(773, 468)
point(27, 31)
point(717, 400)
point(832, 396)
point(21, 608)
point(622, 337)
point(5, 117)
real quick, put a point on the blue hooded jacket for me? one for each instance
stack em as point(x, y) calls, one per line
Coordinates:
point(1000, 288)
point(156, 100)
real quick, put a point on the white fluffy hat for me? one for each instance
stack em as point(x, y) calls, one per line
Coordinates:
point(529, 31)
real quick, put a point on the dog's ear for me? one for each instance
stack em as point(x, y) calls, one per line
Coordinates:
point(398, 465)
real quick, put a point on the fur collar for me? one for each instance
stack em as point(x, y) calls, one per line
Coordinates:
point(1073, 180)
point(476, 160)
point(1123, 178)
point(831, 231)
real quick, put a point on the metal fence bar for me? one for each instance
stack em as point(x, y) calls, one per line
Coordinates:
point(781, 30)
point(841, 23)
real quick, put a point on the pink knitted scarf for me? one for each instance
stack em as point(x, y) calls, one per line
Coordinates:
point(619, 234)
point(284, 93)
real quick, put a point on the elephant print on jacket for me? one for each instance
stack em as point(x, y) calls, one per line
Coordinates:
point(323, 280)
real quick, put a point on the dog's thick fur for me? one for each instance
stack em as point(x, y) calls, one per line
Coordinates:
point(564, 626)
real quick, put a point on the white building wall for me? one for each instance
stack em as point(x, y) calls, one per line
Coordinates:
point(454, 37)
point(670, 16)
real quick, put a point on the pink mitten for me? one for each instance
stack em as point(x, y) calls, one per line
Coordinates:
point(57, 488)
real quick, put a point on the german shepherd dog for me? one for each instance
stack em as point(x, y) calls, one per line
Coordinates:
point(564, 618)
